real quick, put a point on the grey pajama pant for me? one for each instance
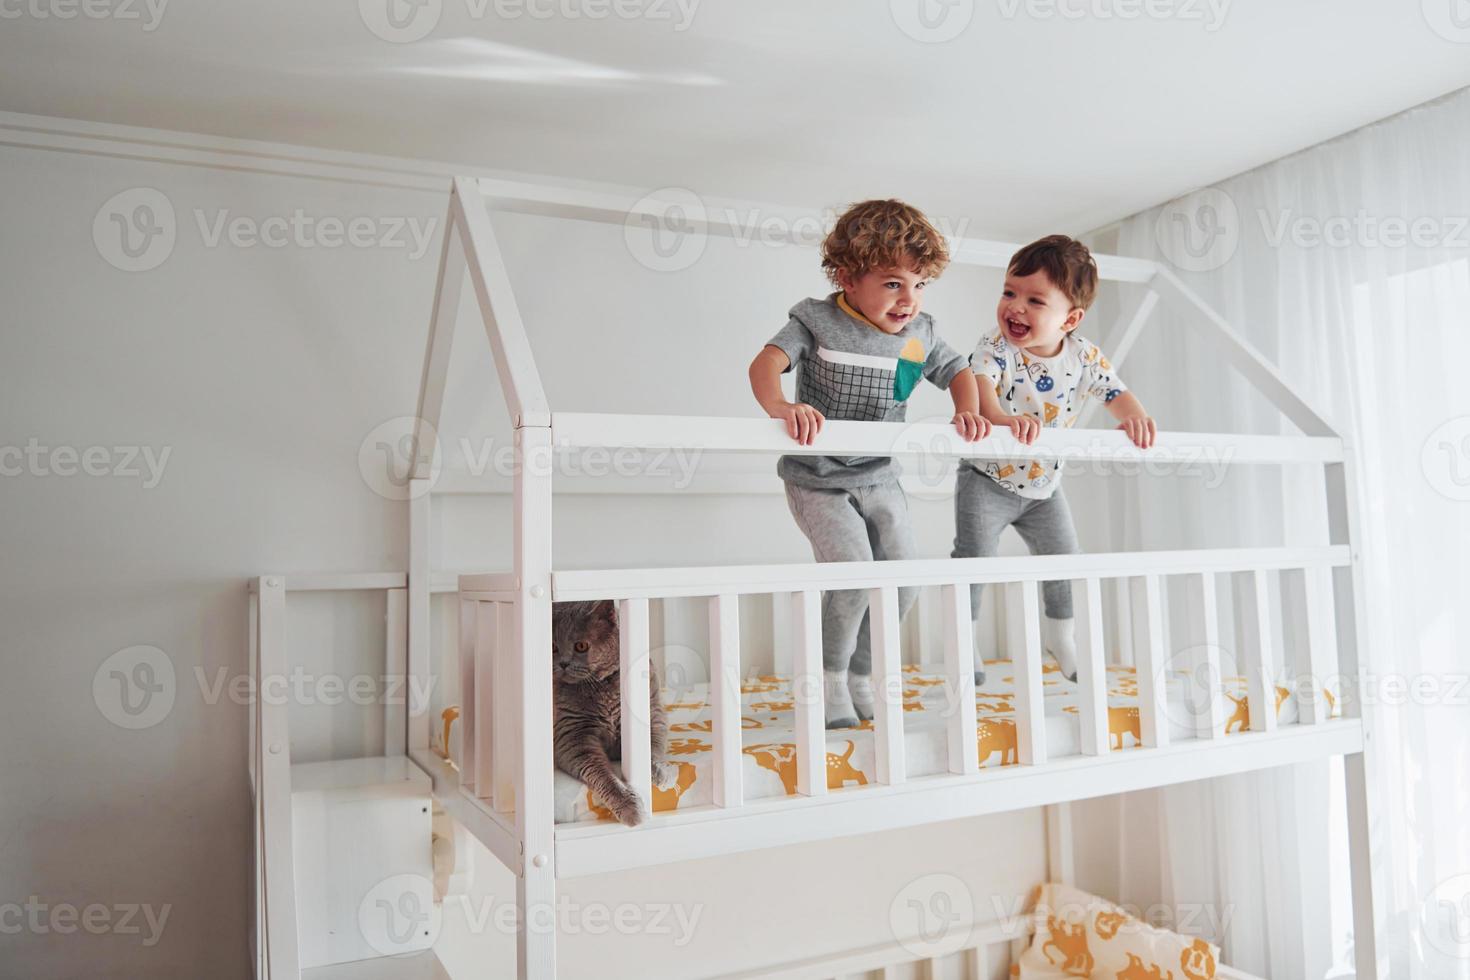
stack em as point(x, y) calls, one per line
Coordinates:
point(853, 524)
point(983, 509)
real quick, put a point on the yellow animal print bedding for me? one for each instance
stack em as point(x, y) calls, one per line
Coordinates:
point(768, 720)
point(1081, 935)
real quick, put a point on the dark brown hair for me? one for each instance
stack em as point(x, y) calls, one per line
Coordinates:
point(1066, 262)
point(883, 235)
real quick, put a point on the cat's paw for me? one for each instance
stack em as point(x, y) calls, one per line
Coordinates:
point(628, 810)
point(664, 775)
point(626, 807)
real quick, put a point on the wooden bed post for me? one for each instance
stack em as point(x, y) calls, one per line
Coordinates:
point(1343, 520)
point(530, 626)
point(535, 814)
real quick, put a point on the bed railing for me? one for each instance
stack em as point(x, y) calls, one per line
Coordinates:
point(495, 719)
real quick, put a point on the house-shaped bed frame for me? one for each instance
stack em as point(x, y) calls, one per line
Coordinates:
point(501, 787)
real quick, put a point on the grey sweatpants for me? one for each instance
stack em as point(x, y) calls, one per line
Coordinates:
point(853, 524)
point(983, 509)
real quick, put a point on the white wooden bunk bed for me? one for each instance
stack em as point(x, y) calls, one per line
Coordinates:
point(500, 787)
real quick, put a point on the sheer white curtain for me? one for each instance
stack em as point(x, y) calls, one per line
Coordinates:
point(1348, 265)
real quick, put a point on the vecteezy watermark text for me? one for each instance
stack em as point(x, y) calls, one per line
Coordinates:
point(406, 21)
point(137, 687)
point(1210, 13)
point(136, 230)
point(121, 10)
point(387, 454)
point(97, 919)
point(667, 229)
point(121, 462)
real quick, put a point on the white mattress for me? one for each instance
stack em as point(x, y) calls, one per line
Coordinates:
point(769, 757)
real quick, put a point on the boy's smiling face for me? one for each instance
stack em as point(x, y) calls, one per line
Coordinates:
point(890, 298)
point(1035, 315)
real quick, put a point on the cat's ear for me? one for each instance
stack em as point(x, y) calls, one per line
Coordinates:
point(607, 611)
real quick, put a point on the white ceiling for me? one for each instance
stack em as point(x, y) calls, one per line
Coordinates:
point(1027, 121)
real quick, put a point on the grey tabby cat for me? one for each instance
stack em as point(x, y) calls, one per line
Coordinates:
point(587, 712)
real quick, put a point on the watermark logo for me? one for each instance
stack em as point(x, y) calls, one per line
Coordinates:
point(1199, 232)
point(1450, 19)
point(1364, 230)
point(1444, 917)
point(932, 916)
point(1445, 459)
point(400, 21)
point(665, 231)
point(398, 915)
point(929, 467)
point(1208, 13)
point(135, 687)
point(387, 456)
point(135, 230)
point(1194, 685)
point(40, 918)
point(932, 21)
point(148, 12)
point(38, 460)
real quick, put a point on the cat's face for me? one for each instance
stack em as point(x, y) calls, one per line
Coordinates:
point(584, 641)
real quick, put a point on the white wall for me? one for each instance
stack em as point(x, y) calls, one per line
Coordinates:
point(261, 371)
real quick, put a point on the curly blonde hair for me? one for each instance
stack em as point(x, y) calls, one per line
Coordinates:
point(883, 235)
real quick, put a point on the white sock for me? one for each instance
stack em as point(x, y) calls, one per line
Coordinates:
point(861, 688)
point(840, 712)
point(1059, 638)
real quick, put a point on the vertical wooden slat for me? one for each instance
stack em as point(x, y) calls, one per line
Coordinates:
point(395, 710)
point(1210, 721)
point(1123, 622)
point(468, 733)
point(1260, 658)
point(1321, 644)
point(274, 774)
point(888, 745)
point(1153, 721)
point(1092, 674)
point(783, 636)
point(925, 622)
point(1022, 609)
point(980, 962)
point(530, 615)
point(806, 686)
point(418, 614)
point(1348, 602)
point(633, 660)
point(1060, 857)
point(724, 666)
point(253, 654)
point(959, 675)
point(497, 728)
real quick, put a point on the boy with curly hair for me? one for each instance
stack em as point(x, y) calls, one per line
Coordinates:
point(1035, 373)
point(858, 355)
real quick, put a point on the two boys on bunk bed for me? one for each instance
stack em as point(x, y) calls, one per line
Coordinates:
point(859, 354)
